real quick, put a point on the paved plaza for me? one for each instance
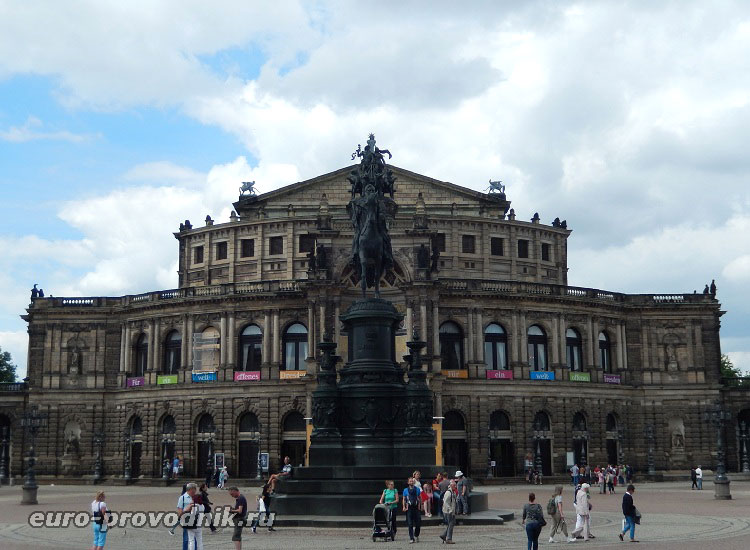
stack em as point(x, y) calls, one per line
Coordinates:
point(673, 517)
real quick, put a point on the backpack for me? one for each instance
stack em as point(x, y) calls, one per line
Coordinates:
point(413, 497)
point(552, 507)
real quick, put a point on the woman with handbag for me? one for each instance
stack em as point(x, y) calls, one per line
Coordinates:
point(99, 511)
point(533, 517)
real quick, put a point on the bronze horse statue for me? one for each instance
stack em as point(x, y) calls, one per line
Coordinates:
point(370, 234)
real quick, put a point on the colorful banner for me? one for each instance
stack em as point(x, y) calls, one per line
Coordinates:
point(541, 375)
point(580, 376)
point(463, 373)
point(499, 375)
point(292, 374)
point(612, 379)
point(247, 376)
point(205, 377)
point(166, 379)
point(135, 382)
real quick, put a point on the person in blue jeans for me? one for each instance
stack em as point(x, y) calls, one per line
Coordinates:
point(411, 507)
point(628, 510)
point(533, 519)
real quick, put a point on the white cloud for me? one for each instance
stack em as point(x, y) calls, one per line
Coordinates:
point(30, 132)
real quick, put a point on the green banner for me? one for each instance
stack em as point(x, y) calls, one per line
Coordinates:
point(580, 377)
point(166, 379)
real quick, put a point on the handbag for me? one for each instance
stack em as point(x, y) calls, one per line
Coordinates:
point(637, 516)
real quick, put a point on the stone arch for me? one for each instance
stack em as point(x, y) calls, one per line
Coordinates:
point(455, 435)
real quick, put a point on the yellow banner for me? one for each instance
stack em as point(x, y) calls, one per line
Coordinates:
point(463, 373)
point(292, 374)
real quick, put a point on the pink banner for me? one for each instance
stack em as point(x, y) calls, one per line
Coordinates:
point(499, 375)
point(611, 378)
point(247, 376)
point(135, 382)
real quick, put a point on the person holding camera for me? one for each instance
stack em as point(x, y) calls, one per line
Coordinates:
point(99, 511)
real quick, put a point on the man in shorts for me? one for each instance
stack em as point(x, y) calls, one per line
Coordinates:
point(240, 516)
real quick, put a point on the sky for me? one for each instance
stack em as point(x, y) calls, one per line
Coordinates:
point(118, 120)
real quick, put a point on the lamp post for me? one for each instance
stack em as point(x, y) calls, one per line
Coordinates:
point(98, 444)
point(166, 439)
point(4, 455)
point(538, 435)
point(258, 473)
point(718, 417)
point(210, 461)
point(127, 474)
point(648, 433)
point(621, 445)
point(743, 440)
point(32, 421)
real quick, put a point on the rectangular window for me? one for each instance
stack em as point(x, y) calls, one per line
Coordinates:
point(276, 245)
point(545, 252)
point(468, 244)
point(523, 248)
point(439, 242)
point(221, 251)
point(198, 255)
point(248, 248)
point(306, 243)
point(496, 246)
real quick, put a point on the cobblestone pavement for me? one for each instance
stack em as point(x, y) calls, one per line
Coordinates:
point(674, 517)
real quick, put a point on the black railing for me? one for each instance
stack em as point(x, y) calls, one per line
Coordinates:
point(739, 382)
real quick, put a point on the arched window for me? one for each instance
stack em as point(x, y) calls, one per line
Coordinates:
point(141, 356)
point(249, 423)
point(206, 424)
point(251, 343)
point(172, 352)
point(604, 356)
point(495, 347)
point(537, 340)
point(294, 422)
point(168, 425)
point(611, 423)
point(295, 347)
point(454, 421)
point(210, 348)
point(541, 422)
point(573, 349)
point(579, 422)
point(451, 346)
point(499, 421)
point(136, 427)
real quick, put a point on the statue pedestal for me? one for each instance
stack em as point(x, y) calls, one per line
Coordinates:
point(70, 465)
point(721, 489)
point(28, 495)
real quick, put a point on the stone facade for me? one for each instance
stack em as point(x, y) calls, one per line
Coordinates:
point(103, 363)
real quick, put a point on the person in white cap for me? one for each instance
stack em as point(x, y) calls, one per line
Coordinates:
point(583, 511)
point(462, 500)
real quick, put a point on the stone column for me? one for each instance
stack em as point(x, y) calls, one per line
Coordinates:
point(128, 350)
point(184, 343)
point(423, 325)
point(156, 337)
point(231, 348)
point(523, 336)
point(267, 337)
point(337, 321)
point(276, 337)
point(624, 347)
point(310, 327)
point(122, 348)
point(593, 333)
point(620, 347)
point(409, 320)
point(321, 328)
point(514, 338)
point(555, 343)
point(480, 337)
point(469, 335)
point(563, 343)
point(223, 340)
point(689, 344)
point(435, 329)
point(190, 329)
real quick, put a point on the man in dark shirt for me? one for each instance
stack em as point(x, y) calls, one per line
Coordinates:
point(240, 516)
point(628, 510)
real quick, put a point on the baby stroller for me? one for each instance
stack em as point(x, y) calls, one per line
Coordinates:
point(381, 523)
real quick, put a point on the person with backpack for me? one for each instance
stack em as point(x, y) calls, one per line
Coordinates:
point(413, 513)
point(554, 510)
point(533, 518)
point(449, 514)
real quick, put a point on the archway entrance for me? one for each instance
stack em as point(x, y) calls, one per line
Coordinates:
point(136, 446)
point(248, 446)
point(455, 452)
point(205, 437)
point(502, 450)
point(293, 439)
point(612, 442)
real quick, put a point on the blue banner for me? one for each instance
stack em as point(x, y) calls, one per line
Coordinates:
point(205, 377)
point(542, 375)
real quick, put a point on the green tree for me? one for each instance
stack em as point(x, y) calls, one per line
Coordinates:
point(732, 375)
point(7, 368)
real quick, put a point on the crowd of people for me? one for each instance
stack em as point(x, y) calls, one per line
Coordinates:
point(444, 495)
point(607, 478)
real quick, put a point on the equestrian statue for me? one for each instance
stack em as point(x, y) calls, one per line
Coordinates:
point(372, 254)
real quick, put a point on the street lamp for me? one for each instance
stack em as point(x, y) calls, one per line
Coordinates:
point(32, 421)
point(127, 475)
point(166, 439)
point(718, 417)
point(258, 474)
point(648, 432)
point(98, 444)
point(4, 455)
point(537, 437)
point(743, 440)
point(621, 445)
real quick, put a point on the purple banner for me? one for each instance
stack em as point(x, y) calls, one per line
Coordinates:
point(499, 375)
point(247, 376)
point(135, 382)
point(611, 378)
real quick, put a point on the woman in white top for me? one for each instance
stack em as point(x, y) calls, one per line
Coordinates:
point(99, 511)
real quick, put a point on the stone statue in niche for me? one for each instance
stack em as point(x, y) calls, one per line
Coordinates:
point(72, 440)
point(678, 440)
point(75, 360)
point(671, 353)
point(423, 257)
